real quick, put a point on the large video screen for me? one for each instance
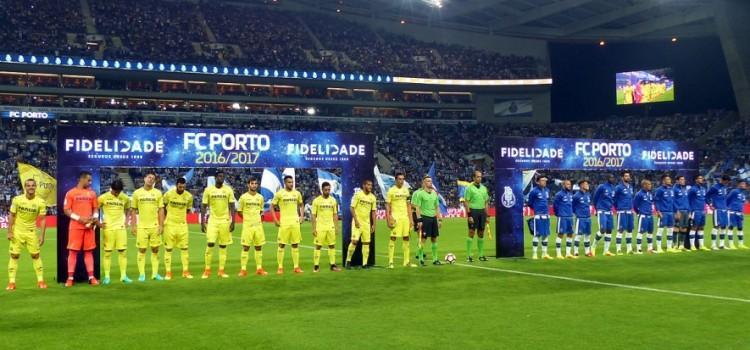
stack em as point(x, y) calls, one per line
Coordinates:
point(645, 86)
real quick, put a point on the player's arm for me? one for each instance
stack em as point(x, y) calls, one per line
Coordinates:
point(556, 203)
point(314, 217)
point(42, 226)
point(354, 214)
point(409, 210)
point(336, 218)
point(467, 210)
point(637, 204)
point(274, 201)
point(373, 216)
point(11, 221)
point(301, 209)
point(68, 210)
point(438, 214)
point(95, 210)
point(388, 211)
point(241, 209)
point(657, 198)
point(232, 211)
point(204, 207)
point(160, 203)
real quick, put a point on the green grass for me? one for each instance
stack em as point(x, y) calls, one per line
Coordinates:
point(451, 306)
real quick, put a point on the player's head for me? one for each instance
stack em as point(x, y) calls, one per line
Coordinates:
point(180, 185)
point(629, 83)
point(477, 177)
point(699, 180)
point(219, 178)
point(116, 186)
point(742, 184)
point(680, 180)
point(567, 185)
point(29, 187)
point(611, 179)
point(583, 185)
point(400, 178)
point(150, 179)
point(288, 182)
point(646, 185)
point(725, 179)
point(367, 185)
point(541, 181)
point(666, 180)
point(84, 179)
point(325, 189)
point(626, 176)
point(427, 182)
point(252, 184)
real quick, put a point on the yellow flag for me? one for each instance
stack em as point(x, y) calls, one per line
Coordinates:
point(488, 230)
point(46, 186)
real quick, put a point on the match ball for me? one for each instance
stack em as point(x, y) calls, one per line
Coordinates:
point(450, 258)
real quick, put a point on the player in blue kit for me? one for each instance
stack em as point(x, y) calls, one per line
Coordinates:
point(603, 202)
point(682, 212)
point(697, 202)
point(664, 198)
point(643, 205)
point(539, 202)
point(582, 209)
point(716, 197)
point(563, 207)
point(624, 207)
point(736, 205)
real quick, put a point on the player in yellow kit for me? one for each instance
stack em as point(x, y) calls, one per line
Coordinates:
point(24, 211)
point(114, 206)
point(363, 207)
point(250, 210)
point(325, 226)
point(291, 215)
point(149, 226)
point(219, 198)
point(398, 215)
point(177, 203)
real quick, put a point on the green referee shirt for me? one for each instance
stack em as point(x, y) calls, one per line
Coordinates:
point(476, 196)
point(426, 201)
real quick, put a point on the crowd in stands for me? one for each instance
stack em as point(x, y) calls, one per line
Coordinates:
point(456, 150)
point(224, 33)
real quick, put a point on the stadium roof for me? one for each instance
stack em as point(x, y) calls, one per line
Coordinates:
point(548, 19)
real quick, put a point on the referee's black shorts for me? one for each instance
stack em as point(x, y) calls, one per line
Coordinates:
point(429, 227)
point(480, 220)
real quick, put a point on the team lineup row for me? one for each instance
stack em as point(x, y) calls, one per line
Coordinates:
point(158, 219)
point(680, 210)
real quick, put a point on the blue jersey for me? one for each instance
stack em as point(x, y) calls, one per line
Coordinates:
point(681, 197)
point(623, 197)
point(563, 204)
point(717, 196)
point(643, 202)
point(664, 198)
point(582, 204)
point(697, 198)
point(736, 200)
point(604, 197)
point(539, 200)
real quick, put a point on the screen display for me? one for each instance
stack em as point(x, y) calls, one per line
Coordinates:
point(645, 86)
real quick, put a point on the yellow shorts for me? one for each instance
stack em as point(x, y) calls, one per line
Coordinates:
point(363, 234)
point(147, 237)
point(176, 236)
point(289, 234)
point(219, 233)
point(402, 227)
point(253, 235)
point(325, 238)
point(24, 239)
point(115, 239)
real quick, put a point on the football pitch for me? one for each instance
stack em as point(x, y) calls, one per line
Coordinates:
point(689, 300)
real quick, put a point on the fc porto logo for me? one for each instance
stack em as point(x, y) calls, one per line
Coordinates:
point(508, 199)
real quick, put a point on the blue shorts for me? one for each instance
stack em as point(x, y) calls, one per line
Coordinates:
point(541, 225)
point(625, 222)
point(666, 220)
point(698, 219)
point(735, 219)
point(645, 224)
point(583, 226)
point(721, 218)
point(606, 223)
point(565, 225)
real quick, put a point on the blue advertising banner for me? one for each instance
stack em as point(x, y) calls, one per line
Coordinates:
point(91, 147)
point(26, 115)
point(514, 154)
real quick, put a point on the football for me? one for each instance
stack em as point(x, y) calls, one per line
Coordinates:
point(450, 258)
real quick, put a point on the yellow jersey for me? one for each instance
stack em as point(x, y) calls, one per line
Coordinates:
point(147, 202)
point(288, 202)
point(251, 207)
point(324, 210)
point(113, 209)
point(27, 210)
point(398, 198)
point(177, 206)
point(218, 200)
point(363, 205)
